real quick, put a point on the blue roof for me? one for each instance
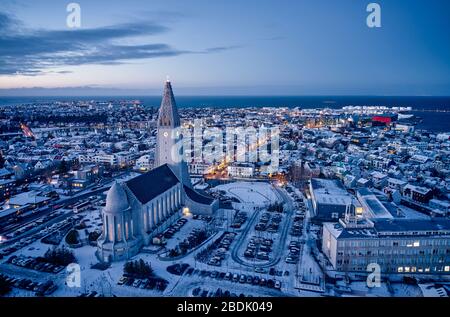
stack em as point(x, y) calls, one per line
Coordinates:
point(153, 183)
point(390, 207)
point(404, 227)
point(411, 225)
point(197, 197)
point(364, 192)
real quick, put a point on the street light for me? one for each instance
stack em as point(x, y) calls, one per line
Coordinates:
point(186, 212)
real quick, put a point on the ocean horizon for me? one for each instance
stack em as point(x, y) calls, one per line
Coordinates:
point(434, 110)
point(331, 101)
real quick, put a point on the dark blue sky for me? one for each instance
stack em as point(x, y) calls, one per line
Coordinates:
point(320, 47)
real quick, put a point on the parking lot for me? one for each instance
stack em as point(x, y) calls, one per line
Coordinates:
point(34, 264)
point(39, 288)
point(297, 226)
point(295, 249)
point(268, 222)
point(151, 283)
point(237, 278)
point(217, 251)
point(44, 233)
point(259, 248)
point(239, 219)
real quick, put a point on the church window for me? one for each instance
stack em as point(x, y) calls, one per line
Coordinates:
point(111, 230)
point(155, 214)
point(145, 221)
point(132, 228)
point(172, 196)
point(119, 232)
point(106, 224)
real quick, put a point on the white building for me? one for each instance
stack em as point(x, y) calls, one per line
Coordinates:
point(379, 179)
point(121, 159)
point(397, 245)
point(142, 207)
point(405, 128)
point(440, 206)
point(144, 163)
point(198, 168)
point(241, 170)
point(101, 158)
point(329, 198)
point(396, 183)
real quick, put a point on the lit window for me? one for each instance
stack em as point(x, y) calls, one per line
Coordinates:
point(400, 269)
point(447, 268)
point(407, 269)
point(416, 244)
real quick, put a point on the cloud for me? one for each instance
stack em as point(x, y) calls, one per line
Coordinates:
point(31, 52)
point(219, 49)
point(274, 38)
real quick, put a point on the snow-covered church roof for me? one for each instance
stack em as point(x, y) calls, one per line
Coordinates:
point(116, 199)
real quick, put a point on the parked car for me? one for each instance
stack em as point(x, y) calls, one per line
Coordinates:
point(137, 283)
point(122, 280)
point(260, 270)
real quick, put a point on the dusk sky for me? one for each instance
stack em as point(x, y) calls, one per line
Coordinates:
point(226, 47)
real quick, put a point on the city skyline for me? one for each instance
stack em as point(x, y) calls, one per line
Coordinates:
point(98, 199)
point(209, 48)
point(242, 151)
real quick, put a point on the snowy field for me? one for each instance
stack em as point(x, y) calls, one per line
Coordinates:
point(360, 289)
point(254, 197)
point(409, 213)
point(257, 193)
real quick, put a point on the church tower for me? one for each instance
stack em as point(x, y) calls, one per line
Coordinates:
point(169, 140)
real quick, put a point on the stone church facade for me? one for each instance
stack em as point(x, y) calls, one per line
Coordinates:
point(139, 209)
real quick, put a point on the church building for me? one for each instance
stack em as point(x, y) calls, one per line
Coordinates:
point(140, 208)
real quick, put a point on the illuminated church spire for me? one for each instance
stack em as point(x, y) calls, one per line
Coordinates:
point(169, 145)
point(168, 113)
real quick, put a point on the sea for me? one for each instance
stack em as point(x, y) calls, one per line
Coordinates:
point(434, 111)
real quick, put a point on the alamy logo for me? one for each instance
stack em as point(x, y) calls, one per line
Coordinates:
point(212, 145)
point(74, 17)
point(374, 18)
point(73, 278)
point(374, 277)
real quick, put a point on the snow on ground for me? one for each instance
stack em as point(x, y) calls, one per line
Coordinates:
point(186, 286)
point(104, 282)
point(184, 232)
point(258, 193)
point(395, 290)
point(254, 196)
point(409, 213)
